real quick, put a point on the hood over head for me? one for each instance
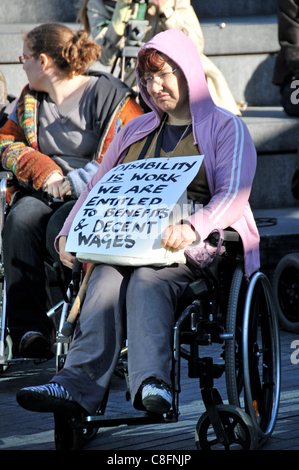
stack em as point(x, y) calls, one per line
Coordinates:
point(179, 48)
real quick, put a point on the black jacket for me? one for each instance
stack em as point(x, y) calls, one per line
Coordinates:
point(287, 62)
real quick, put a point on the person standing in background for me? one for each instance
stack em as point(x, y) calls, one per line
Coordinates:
point(106, 20)
point(286, 70)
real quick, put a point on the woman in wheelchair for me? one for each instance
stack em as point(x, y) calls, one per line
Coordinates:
point(53, 143)
point(173, 84)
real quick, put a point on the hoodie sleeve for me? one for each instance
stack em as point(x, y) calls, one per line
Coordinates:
point(232, 177)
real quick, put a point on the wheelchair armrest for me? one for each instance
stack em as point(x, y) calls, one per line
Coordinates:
point(195, 290)
point(6, 174)
point(231, 236)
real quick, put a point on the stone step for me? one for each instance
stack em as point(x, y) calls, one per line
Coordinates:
point(272, 183)
point(250, 78)
point(236, 35)
point(251, 58)
point(278, 230)
point(229, 8)
point(223, 36)
point(271, 129)
point(253, 85)
point(37, 11)
point(24, 11)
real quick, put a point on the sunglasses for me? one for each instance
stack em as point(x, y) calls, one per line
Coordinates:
point(24, 57)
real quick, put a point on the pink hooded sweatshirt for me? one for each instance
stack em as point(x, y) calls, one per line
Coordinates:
point(222, 137)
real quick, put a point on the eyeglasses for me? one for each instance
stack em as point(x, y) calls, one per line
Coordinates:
point(24, 57)
point(148, 80)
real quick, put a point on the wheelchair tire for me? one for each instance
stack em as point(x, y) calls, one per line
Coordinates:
point(122, 366)
point(233, 349)
point(256, 363)
point(7, 353)
point(238, 427)
point(286, 292)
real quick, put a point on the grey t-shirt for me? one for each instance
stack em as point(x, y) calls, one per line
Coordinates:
point(69, 140)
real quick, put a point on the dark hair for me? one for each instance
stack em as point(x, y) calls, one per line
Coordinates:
point(150, 60)
point(72, 51)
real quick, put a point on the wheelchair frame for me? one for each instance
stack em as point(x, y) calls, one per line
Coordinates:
point(245, 323)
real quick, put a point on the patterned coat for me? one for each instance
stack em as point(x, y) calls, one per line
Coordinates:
point(19, 150)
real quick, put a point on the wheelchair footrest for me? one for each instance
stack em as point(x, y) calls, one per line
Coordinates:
point(120, 419)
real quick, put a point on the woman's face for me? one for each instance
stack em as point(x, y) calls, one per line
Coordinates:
point(33, 69)
point(168, 88)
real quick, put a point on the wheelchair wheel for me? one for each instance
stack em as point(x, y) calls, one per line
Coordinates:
point(122, 365)
point(238, 427)
point(252, 360)
point(7, 353)
point(286, 292)
point(233, 349)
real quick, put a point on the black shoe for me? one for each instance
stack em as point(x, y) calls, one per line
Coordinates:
point(156, 396)
point(49, 398)
point(35, 345)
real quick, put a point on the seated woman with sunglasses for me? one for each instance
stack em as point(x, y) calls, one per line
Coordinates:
point(53, 142)
point(172, 83)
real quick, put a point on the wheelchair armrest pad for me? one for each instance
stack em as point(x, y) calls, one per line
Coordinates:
point(231, 236)
point(196, 290)
point(8, 175)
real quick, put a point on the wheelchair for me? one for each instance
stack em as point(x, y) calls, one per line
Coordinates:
point(6, 345)
point(221, 307)
point(286, 292)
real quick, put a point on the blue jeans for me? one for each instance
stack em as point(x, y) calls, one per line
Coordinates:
point(28, 238)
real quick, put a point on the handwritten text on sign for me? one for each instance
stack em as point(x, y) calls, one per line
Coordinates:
point(128, 209)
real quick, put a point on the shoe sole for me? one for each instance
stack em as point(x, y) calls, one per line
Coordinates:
point(39, 402)
point(38, 348)
point(157, 406)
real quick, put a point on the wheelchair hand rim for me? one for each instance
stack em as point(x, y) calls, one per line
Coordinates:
point(260, 277)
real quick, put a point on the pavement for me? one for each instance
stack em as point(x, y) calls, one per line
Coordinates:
point(24, 430)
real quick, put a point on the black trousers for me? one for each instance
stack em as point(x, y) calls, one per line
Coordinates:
point(28, 238)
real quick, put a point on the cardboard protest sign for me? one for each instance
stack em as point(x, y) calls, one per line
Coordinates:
point(124, 215)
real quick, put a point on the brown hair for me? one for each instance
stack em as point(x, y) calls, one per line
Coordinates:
point(72, 51)
point(82, 15)
point(150, 60)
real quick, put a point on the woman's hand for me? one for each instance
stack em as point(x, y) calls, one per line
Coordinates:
point(178, 237)
point(58, 186)
point(54, 184)
point(66, 258)
point(65, 189)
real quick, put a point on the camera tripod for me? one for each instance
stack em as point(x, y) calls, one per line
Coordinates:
point(135, 32)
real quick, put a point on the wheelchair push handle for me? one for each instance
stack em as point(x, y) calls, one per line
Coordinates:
point(68, 327)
